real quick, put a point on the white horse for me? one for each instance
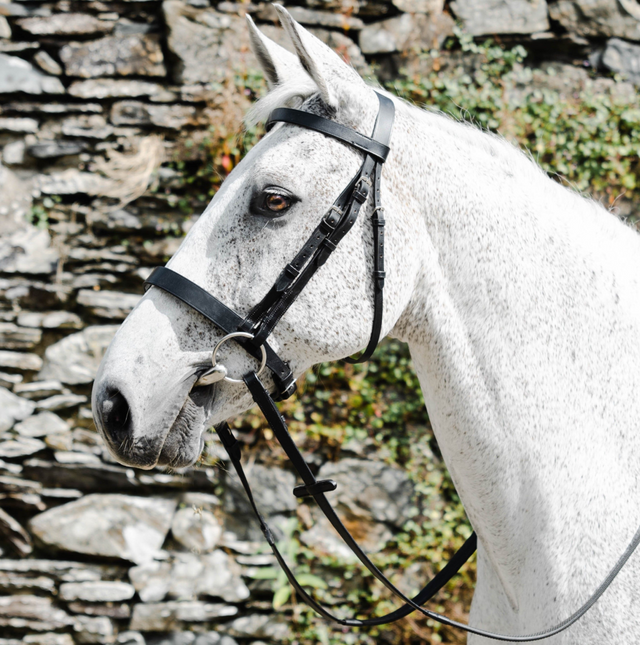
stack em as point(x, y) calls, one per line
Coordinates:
point(519, 299)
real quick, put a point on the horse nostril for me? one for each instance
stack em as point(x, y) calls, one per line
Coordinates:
point(116, 416)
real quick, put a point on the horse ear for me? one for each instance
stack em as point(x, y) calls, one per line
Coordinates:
point(325, 67)
point(277, 63)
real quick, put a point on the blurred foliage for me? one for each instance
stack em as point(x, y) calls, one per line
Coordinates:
point(589, 140)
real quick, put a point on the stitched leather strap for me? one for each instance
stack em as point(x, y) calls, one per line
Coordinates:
point(224, 318)
point(372, 146)
point(335, 225)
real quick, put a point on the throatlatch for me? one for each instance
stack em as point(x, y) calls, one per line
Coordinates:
point(252, 332)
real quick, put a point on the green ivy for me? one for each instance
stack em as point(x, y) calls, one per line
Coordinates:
point(589, 140)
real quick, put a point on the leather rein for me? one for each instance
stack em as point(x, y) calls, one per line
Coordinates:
point(252, 332)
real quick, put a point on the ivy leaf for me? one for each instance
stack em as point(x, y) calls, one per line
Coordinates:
point(309, 580)
point(281, 596)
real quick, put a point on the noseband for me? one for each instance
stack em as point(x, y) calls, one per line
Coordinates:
point(252, 333)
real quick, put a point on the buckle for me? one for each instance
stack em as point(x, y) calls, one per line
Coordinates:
point(361, 190)
point(377, 217)
point(328, 223)
point(322, 486)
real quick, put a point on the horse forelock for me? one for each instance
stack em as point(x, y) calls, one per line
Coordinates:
point(291, 93)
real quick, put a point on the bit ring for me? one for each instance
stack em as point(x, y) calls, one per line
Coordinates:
point(238, 334)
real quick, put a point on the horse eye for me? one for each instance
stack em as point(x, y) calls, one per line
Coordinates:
point(272, 201)
point(277, 203)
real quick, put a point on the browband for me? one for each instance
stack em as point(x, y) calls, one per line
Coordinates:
point(378, 150)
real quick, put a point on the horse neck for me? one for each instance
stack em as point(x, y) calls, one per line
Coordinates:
point(529, 386)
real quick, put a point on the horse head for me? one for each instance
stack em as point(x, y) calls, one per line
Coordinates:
point(149, 404)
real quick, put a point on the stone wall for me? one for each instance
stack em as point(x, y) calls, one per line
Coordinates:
point(93, 552)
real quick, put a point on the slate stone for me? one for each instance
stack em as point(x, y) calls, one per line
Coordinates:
point(18, 124)
point(52, 108)
point(47, 639)
point(169, 616)
point(13, 153)
point(12, 532)
point(15, 207)
point(14, 337)
point(72, 457)
point(272, 490)
point(110, 610)
point(10, 47)
point(10, 584)
point(131, 528)
point(18, 485)
point(91, 126)
point(34, 609)
point(188, 576)
point(197, 530)
point(269, 627)
point(28, 250)
point(50, 320)
point(598, 18)
point(20, 447)
point(60, 402)
point(432, 7)
point(130, 638)
point(73, 182)
point(65, 24)
point(370, 489)
point(39, 390)
point(134, 55)
point(96, 591)
point(108, 304)
point(208, 44)
point(173, 117)
point(47, 64)
point(10, 380)
point(89, 478)
point(20, 360)
point(14, 9)
point(75, 359)
point(53, 149)
point(112, 88)
point(483, 17)
point(18, 75)
point(191, 638)
point(372, 536)
point(13, 409)
point(59, 570)
point(94, 630)
point(200, 501)
point(623, 58)
point(406, 32)
point(5, 29)
point(40, 425)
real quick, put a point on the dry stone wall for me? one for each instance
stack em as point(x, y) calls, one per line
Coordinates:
point(92, 552)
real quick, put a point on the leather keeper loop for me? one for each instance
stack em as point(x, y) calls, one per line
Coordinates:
point(329, 245)
point(322, 486)
point(229, 442)
point(361, 193)
point(327, 226)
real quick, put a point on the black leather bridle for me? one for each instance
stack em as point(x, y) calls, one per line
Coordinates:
point(252, 333)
